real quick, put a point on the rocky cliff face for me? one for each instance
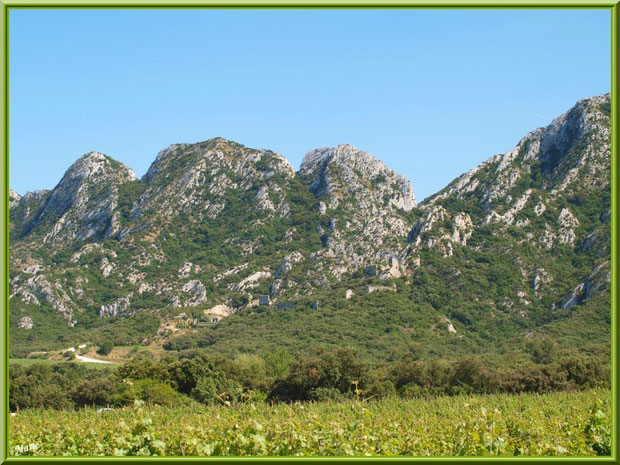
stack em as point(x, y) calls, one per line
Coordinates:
point(344, 174)
point(195, 179)
point(363, 201)
point(569, 155)
point(23, 210)
point(549, 193)
point(206, 221)
point(518, 239)
point(83, 205)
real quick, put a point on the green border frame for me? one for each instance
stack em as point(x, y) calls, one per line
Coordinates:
point(7, 5)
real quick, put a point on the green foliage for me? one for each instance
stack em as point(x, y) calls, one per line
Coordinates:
point(277, 364)
point(606, 108)
point(598, 430)
point(154, 392)
point(379, 179)
point(216, 389)
point(105, 348)
point(57, 386)
point(90, 392)
point(397, 343)
point(542, 348)
point(338, 370)
point(128, 193)
point(558, 424)
point(183, 342)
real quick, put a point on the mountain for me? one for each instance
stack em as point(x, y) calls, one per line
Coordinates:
point(84, 204)
point(366, 203)
point(517, 246)
point(549, 196)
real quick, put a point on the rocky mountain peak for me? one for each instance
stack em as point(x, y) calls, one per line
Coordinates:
point(362, 202)
point(575, 146)
point(197, 178)
point(550, 192)
point(216, 222)
point(336, 171)
point(214, 154)
point(93, 167)
point(93, 163)
point(586, 124)
point(82, 205)
point(14, 198)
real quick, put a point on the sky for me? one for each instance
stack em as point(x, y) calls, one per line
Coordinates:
point(431, 93)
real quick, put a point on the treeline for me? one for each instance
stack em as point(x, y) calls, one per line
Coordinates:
point(320, 374)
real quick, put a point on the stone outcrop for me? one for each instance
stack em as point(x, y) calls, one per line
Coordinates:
point(330, 172)
point(14, 198)
point(364, 199)
point(220, 311)
point(440, 231)
point(541, 278)
point(54, 295)
point(448, 324)
point(25, 322)
point(197, 291)
point(118, 307)
point(84, 203)
point(196, 180)
point(568, 223)
point(288, 263)
point(251, 281)
point(374, 288)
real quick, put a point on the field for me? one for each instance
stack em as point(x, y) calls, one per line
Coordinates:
point(31, 361)
point(562, 423)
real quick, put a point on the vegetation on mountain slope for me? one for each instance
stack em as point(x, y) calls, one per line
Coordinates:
point(377, 307)
point(517, 247)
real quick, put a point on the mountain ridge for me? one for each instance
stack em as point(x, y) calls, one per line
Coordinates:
point(214, 225)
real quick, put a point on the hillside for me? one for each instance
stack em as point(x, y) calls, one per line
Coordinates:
point(517, 246)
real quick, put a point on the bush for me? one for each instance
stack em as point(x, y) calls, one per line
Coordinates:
point(250, 371)
point(37, 387)
point(470, 375)
point(183, 342)
point(320, 374)
point(430, 377)
point(216, 389)
point(534, 379)
point(142, 367)
point(585, 372)
point(277, 364)
point(125, 394)
point(322, 394)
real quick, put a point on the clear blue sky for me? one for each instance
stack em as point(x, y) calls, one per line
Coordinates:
point(432, 93)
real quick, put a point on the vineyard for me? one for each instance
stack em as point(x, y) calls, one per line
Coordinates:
point(562, 423)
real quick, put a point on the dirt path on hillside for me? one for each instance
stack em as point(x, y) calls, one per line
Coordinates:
point(81, 358)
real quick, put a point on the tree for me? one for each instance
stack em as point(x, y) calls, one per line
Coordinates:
point(106, 348)
point(470, 375)
point(97, 391)
point(542, 348)
point(320, 369)
point(156, 392)
point(277, 363)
